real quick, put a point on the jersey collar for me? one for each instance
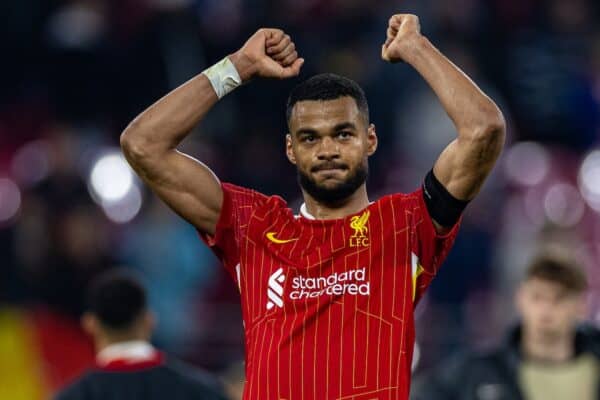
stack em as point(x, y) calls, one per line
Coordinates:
point(304, 212)
point(131, 352)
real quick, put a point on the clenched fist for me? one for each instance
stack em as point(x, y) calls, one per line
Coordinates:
point(403, 31)
point(269, 53)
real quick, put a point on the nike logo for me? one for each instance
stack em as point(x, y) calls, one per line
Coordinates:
point(272, 238)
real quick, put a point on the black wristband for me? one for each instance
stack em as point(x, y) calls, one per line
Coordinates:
point(443, 208)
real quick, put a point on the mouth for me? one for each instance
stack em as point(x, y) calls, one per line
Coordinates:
point(335, 173)
point(329, 168)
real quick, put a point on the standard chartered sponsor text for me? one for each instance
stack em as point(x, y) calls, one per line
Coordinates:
point(351, 282)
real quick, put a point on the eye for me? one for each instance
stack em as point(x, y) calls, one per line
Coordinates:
point(308, 138)
point(344, 134)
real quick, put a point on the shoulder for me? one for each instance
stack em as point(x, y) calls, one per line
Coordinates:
point(407, 200)
point(402, 204)
point(473, 364)
point(75, 389)
point(469, 366)
point(240, 196)
point(195, 379)
point(588, 339)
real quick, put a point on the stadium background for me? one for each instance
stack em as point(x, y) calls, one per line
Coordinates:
point(73, 74)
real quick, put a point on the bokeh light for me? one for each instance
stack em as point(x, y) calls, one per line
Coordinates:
point(563, 205)
point(589, 179)
point(526, 163)
point(126, 208)
point(111, 178)
point(31, 163)
point(10, 199)
point(533, 200)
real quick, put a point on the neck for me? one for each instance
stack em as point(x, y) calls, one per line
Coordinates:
point(105, 341)
point(350, 205)
point(553, 350)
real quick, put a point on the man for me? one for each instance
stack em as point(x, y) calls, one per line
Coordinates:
point(328, 295)
point(548, 357)
point(128, 366)
point(233, 378)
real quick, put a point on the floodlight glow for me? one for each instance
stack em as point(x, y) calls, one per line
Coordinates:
point(589, 179)
point(563, 205)
point(111, 178)
point(10, 199)
point(31, 163)
point(126, 208)
point(527, 163)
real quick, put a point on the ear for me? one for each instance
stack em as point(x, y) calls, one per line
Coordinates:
point(289, 151)
point(148, 323)
point(372, 140)
point(90, 324)
point(151, 320)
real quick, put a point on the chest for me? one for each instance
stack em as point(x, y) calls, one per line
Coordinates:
point(291, 265)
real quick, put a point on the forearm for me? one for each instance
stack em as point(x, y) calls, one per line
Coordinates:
point(469, 108)
point(163, 125)
point(188, 186)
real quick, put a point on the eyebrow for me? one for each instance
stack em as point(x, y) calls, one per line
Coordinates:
point(306, 131)
point(344, 125)
point(339, 127)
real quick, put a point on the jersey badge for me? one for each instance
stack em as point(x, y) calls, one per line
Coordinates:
point(359, 224)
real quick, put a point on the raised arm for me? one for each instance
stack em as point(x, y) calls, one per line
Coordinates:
point(150, 141)
point(463, 166)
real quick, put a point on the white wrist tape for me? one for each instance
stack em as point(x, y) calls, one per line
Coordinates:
point(223, 77)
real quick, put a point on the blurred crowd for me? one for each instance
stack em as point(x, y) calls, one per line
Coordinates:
point(74, 73)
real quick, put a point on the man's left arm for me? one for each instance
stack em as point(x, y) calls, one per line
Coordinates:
point(465, 163)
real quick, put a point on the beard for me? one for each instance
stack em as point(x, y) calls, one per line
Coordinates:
point(338, 193)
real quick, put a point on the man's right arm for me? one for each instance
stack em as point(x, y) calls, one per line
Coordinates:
point(150, 141)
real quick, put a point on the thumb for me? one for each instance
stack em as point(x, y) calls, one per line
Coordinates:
point(292, 70)
point(384, 54)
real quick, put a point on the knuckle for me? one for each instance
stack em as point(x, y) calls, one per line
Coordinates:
point(289, 59)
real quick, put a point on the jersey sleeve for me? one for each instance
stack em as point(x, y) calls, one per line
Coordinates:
point(238, 206)
point(428, 248)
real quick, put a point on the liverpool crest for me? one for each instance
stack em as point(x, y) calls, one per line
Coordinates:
point(359, 224)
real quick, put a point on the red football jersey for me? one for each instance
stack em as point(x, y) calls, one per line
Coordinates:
point(328, 304)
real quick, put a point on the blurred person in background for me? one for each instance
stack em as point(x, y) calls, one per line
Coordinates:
point(234, 378)
point(548, 356)
point(128, 366)
point(346, 273)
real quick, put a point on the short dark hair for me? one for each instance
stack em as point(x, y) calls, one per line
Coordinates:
point(560, 269)
point(327, 87)
point(116, 298)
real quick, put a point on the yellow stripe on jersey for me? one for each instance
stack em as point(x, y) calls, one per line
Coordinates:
point(416, 270)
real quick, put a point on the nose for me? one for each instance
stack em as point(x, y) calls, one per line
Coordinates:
point(328, 149)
